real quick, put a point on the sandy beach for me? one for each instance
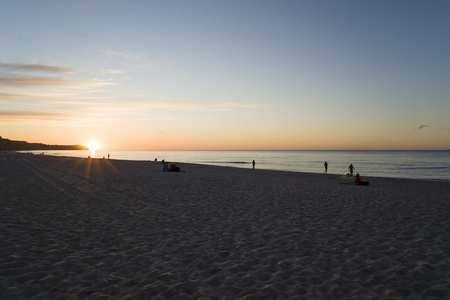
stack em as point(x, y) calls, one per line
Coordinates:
point(76, 228)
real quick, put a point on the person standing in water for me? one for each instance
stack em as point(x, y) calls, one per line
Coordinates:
point(350, 169)
point(325, 165)
point(253, 162)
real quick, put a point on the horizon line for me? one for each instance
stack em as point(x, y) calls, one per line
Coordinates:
point(272, 150)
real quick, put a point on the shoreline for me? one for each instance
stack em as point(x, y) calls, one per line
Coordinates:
point(249, 163)
point(93, 228)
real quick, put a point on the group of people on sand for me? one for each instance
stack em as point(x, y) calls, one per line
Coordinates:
point(171, 167)
point(351, 168)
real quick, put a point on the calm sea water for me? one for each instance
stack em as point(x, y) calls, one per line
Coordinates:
point(424, 165)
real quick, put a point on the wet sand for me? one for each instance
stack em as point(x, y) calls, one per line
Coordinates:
point(76, 228)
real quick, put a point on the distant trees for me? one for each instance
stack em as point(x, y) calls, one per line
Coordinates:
point(8, 145)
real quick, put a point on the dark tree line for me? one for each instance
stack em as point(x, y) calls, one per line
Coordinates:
point(8, 145)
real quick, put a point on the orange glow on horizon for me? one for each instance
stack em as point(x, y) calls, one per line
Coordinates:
point(93, 145)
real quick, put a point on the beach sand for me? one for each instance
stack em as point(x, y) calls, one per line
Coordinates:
point(76, 228)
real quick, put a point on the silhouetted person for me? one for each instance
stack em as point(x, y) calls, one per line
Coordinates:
point(350, 169)
point(325, 165)
point(358, 180)
point(173, 167)
point(108, 155)
point(253, 162)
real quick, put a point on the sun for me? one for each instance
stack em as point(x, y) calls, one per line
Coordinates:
point(93, 145)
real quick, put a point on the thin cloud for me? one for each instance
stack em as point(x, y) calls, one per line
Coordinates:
point(20, 97)
point(87, 35)
point(51, 69)
point(28, 116)
point(39, 68)
point(195, 105)
point(48, 119)
point(59, 101)
point(47, 82)
point(239, 105)
point(171, 104)
point(124, 104)
point(46, 97)
point(110, 71)
point(421, 127)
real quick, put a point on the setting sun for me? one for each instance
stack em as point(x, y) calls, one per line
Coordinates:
point(93, 145)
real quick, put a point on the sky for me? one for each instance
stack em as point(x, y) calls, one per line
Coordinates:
point(227, 75)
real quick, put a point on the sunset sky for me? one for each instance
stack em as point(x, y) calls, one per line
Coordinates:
point(219, 75)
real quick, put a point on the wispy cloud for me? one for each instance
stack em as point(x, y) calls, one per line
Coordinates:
point(38, 68)
point(421, 127)
point(51, 69)
point(240, 105)
point(54, 98)
point(111, 104)
point(42, 98)
point(47, 82)
point(110, 71)
point(185, 105)
point(137, 104)
point(13, 77)
point(31, 116)
point(87, 35)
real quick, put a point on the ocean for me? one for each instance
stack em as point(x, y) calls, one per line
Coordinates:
point(423, 165)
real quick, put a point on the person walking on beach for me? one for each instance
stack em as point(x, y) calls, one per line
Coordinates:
point(253, 162)
point(350, 169)
point(325, 165)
